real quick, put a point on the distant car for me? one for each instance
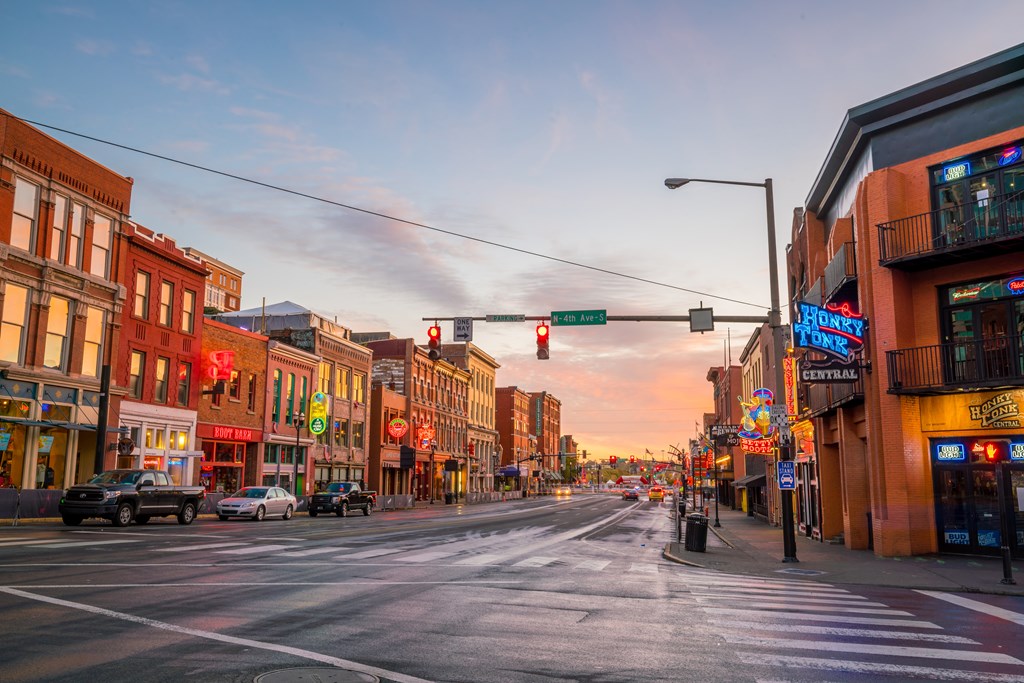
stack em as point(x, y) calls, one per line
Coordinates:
point(630, 494)
point(257, 503)
point(563, 491)
point(656, 493)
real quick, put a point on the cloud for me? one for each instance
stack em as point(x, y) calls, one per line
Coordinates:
point(190, 82)
point(94, 47)
point(198, 63)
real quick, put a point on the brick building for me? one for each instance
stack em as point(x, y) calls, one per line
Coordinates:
point(907, 260)
point(512, 420)
point(481, 433)
point(546, 425)
point(223, 291)
point(59, 306)
point(729, 464)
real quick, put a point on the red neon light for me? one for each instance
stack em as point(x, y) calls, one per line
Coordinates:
point(220, 364)
point(842, 309)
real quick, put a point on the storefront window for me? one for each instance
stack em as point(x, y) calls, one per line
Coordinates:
point(12, 453)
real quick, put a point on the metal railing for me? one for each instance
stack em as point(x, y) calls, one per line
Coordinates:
point(989, 361)
point(952, 228)
point(840, 270)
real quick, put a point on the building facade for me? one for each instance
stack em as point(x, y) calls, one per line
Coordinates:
point(481, 433)
point(291, 377)
point(924, 186)
point(546, 426)
point(512, 420)
point(223, 290)
point(728, 464)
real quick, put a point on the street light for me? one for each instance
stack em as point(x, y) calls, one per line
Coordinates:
point(297, 421)
point(779, 352)
point(718, 492)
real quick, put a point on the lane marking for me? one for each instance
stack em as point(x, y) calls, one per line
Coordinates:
point(643, 568)
point(871, 649)
point(761, 606)
point(255, 584)
point(593, 565)
point(901, 671)
point(839, 595)
point(311, 551)
point(479, 560)
point(79, 544)
point(428, 556)
point(815, 629)
point(805, 616)
point(762, 584)
point(6, 544)
point(375, 552)
point(255, 549)
point(830, 600)
point(206, 546)
point(998, 612)
point(232, 640)
point(535, 562)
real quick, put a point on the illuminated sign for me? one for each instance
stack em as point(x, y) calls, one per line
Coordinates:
point(219, 365)
point(234, 433)
point(829, 372)
point(1017, 451)
point(950, 452)
point(1016, 285)
point(757, 416)
point(1000, 411)
point(318, 413)
point(425, 434)
point(789, 379)
point(971, 292)
point(1010, 156)
point(758, 446)
point(397, 428)
point(45, 444)
point(834, 330)
point(956, 171)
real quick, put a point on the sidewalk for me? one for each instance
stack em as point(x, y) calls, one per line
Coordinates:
point(747, 545)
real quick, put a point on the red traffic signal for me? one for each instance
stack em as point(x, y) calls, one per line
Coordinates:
point(996, 451)
point(612, 459)
point(543, 339)
point(434, 341)
point(632, 458)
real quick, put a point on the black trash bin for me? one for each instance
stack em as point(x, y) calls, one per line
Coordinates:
point(447, 499)
point(696, 532)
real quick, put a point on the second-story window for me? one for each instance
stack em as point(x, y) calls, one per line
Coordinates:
point(55, 351)
point(26, 210)
point(92, 350)
point(252, 392)
point(59, 233)
point(341, 383)
point(73, 257)
point(13, 322)
point(234, 285)
point(184, 382)
point(290, 398)
point(188, 311)
point(276, 415)
point(358, 388)
point(325, 378)
point(102, 228)
point(161, 379)
point(136, 375)
point(357, 435)
point(166, 303)
point(235, 385)
point(141, 309)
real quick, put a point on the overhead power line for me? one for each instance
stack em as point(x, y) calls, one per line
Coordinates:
point(378, 214)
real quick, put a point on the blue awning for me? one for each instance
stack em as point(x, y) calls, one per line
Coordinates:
point(508, 471)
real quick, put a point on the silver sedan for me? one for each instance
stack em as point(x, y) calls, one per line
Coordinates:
point(257, 502)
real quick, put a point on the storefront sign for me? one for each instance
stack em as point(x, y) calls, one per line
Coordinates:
point(1017, 454)
point(956, 171)
point(829, 372)
point(834, 330)
point(962, 412)
point(758, 446)
point(957, 537)
point(45, 444)
point(397, 428)
point(1015, 286)
point(789, 379)
point(219, 364)
point(318, 413)
point(756, 422)
point(227, 433)
point(1000, 411)
point(950, 452)
point(1010, 156)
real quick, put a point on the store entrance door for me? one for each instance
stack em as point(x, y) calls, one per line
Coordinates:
point(968, 514)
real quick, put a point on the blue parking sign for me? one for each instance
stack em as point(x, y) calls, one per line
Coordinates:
point(787, 475)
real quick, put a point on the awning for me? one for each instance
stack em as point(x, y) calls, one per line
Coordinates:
point(43, 423)
point(751, 481)
point(508, 471)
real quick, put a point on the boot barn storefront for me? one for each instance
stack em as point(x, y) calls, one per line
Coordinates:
point(976, 451)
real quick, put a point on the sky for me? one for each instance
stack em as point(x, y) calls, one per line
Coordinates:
point(530, 138)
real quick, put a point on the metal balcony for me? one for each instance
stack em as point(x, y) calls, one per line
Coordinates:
point(962, 232)
point(986, 363)
point(840, 271)
point(824, 398)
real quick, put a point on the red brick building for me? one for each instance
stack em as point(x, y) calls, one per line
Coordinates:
point(158, 365)
point(512, 420)
point(59, 306)
point(727, 385)
point(911, 240)
point(546, 425)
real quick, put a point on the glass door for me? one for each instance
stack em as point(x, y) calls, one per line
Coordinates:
point(1013, 200)
point(960, 361)
point(992, 324)
point(986, 510)
point(1017, 505)
point(984, 208)
point(954, 534)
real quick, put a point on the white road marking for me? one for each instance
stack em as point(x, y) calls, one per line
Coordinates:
point(805, 616)
point(815, 629)
point(210, 635)
point(871, 649)
point(478, 560)
point(429, 556)
point(5, 544)
point(643, 568)
point(729, 590)
point(78, 544)
point(830, 600)
point(311, 551)
point(902, 672)
point(535, 562)
point(977, 606)
point(255, 549)
point(816, 608)
point(375, 552)
point(205, 546)
point(593, 565)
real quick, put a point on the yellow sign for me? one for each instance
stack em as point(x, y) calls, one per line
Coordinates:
point(984, 410)
point(318, 413)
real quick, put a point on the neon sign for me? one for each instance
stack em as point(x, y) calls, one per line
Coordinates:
point(397, 428)
point(220, 364)
point(956, 171)
point(757, 416)
point(1016, 285)
point(1010, 156)
point(950, 452)
point(835, 330)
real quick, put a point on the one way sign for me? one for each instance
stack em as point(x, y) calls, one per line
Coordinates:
point(463, 330)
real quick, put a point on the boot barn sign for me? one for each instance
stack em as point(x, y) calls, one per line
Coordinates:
point(835, 331)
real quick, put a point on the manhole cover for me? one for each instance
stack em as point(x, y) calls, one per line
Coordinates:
point(315, 674)
point(801, 572)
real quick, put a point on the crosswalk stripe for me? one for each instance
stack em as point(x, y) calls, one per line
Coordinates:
point(754, 582)
point(423, 557)
point(643, 568)
point(255, 549)
point(818, 608)
point(373, 552)
point(805, 616)
point(5, 544)
point(535, 562)
point(871, 649)
point(729, 590)
point(815, 629)
point(205, 546)
point(310, 552)
point(593, 565)
point(478, 560)
point(845, 602)
point(901, 671)
point(79, 544)
point(991, 610)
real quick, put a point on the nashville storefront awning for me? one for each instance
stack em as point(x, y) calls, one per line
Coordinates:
point(508, 471)
point(751, 481)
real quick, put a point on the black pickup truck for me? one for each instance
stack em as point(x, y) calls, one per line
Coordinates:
point(340, 497)
point(125, 495)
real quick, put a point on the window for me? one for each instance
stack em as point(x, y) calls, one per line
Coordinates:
point(341, 433)
point(223, 279)
point(234, 285)
point(357, 435)
point(290, 397)
point(60, 227)
point(252, 392)
point(235, 385)
point(26, 209)
point(161, 378)
point(341, 383)
point(137, 374)
point(12, 327)
point(141, 295)
point(325, 378)
point(166, 302)
point(74, 252)
point(276, 416)
point(92, 349)
point(101, 236)
point(55, 352)
point(358, 388)
point(184, 382)
point(303, 404)
point(188, 311)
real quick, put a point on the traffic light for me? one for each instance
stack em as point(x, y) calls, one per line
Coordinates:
point(996, 451)
point(543, 338)
point(632, 459)
point(613, 459)
point(434, 341)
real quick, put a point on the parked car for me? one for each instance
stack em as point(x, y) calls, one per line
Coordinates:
point(656, 493)
point(340, 497)
point(257, 503)
point(630, 494)
point(125, 495)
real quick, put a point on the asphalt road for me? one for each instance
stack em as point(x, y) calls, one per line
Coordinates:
point(536, 590)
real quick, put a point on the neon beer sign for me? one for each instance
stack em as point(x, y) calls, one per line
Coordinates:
point(219, 364)
point(834, 330)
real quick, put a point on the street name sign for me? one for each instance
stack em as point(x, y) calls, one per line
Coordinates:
point(463, 329)
point(506, 318)
point(597, 317)
point(787, 475)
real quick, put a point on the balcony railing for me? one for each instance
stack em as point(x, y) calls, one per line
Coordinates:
point(822, 398)
point(945, 368)
point(840, 270)
point(959, 232)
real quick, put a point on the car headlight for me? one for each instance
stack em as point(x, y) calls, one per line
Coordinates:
point(335, 500)
point(108, 495)
point(247, 504)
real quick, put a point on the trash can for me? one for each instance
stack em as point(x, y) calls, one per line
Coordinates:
point(682, 506)
point(447, 499)
point(696, 532)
